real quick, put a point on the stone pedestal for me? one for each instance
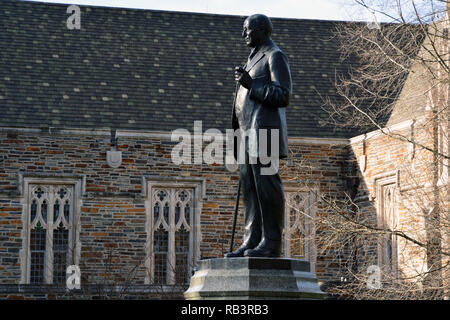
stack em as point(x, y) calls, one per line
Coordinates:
point(253, 278)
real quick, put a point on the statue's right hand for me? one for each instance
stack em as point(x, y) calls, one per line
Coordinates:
point(243, 77)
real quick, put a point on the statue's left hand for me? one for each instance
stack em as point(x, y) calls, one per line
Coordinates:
point(243, 77)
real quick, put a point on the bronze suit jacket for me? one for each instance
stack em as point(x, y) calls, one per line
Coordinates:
point(263, 106)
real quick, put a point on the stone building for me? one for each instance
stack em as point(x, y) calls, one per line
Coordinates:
point(86, 170)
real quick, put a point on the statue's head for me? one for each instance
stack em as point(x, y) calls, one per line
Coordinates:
point(257, 29)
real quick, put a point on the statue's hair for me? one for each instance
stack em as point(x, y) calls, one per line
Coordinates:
point(262, 22)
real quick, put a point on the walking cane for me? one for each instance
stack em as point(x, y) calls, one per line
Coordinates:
point(236, 205)
point(236, 209)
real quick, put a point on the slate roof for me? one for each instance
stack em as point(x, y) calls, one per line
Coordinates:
point(149, 70)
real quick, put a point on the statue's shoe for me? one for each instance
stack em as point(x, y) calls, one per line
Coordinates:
point(267, 248)
point(238, 252)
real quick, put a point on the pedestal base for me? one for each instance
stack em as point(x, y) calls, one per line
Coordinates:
point(253, 278)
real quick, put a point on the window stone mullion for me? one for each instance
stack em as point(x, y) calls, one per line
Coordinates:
point(49, 252)
point(172, 230)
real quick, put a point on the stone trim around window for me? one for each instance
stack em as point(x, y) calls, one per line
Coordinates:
point(387, 189)
point(303, 222)
point(194, 190)
point(29, 184)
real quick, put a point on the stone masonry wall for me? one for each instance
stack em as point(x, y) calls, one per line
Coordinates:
point(113, 216)
point(411, 169)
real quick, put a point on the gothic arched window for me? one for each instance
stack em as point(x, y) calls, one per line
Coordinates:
point(171, 233)
point(298, 234)
point(49, 227)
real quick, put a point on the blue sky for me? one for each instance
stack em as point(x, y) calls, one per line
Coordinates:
point(302, 9)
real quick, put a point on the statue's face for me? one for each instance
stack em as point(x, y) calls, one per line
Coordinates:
point(252, 34)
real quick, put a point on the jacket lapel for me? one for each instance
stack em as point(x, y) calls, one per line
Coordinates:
point(259, 55)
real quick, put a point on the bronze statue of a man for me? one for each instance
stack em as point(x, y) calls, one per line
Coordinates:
point(263, 91)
